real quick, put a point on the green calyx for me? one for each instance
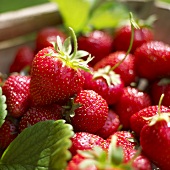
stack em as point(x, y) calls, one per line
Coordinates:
point(69, 58)
point(110, 76)
point(105, 160)
point(159, 116)
point(69, 109)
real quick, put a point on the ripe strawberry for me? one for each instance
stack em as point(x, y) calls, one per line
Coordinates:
point(97, 43)
point(23, 58)
point(155, 141)
point(16, 90)
point(88, 111)
point(86, 141)
point(8, 132)
point(125, 139)
point(131, 101)
point(111, 125)
point(73, 164)
point(55, 73)
point(106, 83)
point(47, 35)
point(137, 120)
point(140, 162)
point(126, 69)
point(152, 60)
point(35, 114)
point(159, 87)
point(122, 37)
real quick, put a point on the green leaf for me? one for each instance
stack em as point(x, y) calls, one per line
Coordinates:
point(108, 15)
point(42, 146)
point(81, 53)
point(3, 106)
point(74, 13)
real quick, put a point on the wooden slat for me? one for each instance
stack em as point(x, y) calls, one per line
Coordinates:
point(17, 23)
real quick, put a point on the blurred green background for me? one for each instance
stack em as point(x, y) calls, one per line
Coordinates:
point(9, 5)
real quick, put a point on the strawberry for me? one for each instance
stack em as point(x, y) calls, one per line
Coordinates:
point(126, 69)
point(140, 162)
point(106, 83)
point(16, 90)
point(125, 139)
point(56, 73)
point(159, 87)
point(97, 43)
point(87, 112)
point(22, 59)
point(36, 113)
point(98, 158)
point(137, 120)
point(152, 60)
point(122, 37)
point(73, 164)
point(131, 101)
point(47, 35)
point(8, 132)
point(155, 141)
point(111, 125)
point(86, 141)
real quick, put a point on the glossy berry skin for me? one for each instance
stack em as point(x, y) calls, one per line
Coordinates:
point(137, 120)
point(155, 143)
point(110, 92)
point(47, 35)
point(23, 58)
point(126, 69)
point(52, 80)
point(8, 132)
point(86, 141)
point(152, 60)
point(36, 114)
point(159, 87)
point(111, 125)
point(97, 43)
point(92, 113)
point(123, 34)
point(73, 164)
point(16, 90)
point(131, 101)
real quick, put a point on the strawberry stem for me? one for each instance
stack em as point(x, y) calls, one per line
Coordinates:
point(159, 104)
point(74, 42)
point(133, 26)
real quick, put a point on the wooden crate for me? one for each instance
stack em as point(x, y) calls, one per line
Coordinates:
point(20, 27)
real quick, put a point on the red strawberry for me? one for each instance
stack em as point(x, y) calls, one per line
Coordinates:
point(131, 101)
point(23, 58)
point(106, 83)
point(47, 35)
point(55, 74)
point(125, 139)
point(126, 69)
point(16, 90)
point(122, 38)
point(159, 87)
point(140, 162)
point(97, 43)
point(152, 60)
point(111, 125)
point(86, 141)
point(8, 132)
point(73, 164)
point(137, 120)
point(36, 114)
point(88, 111)
point(155, 141)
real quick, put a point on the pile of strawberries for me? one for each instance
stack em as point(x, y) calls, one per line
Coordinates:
point(112, 99)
